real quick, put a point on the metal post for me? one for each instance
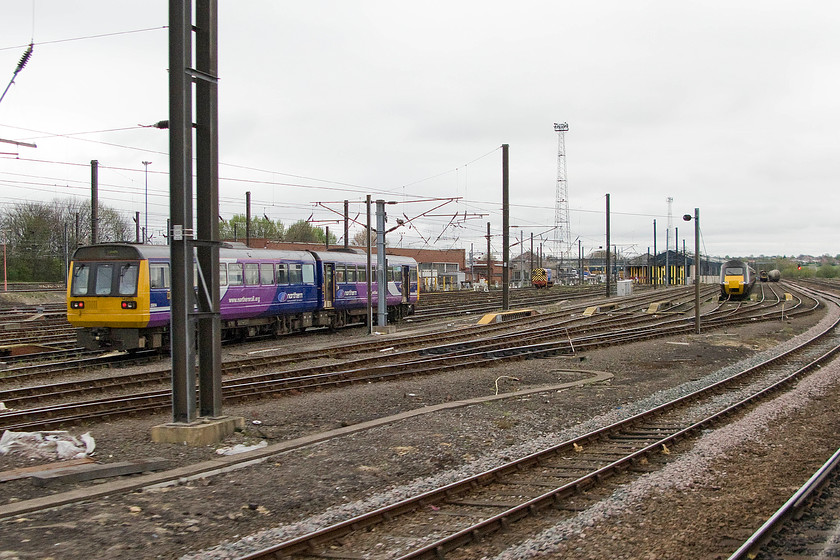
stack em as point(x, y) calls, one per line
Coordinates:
point(697, 270)
point(137, 227)
point(505, 231)
point(532, 254)
point(677, 253)
point(182, 331)
point(207, 218)
point(248, 218)
point(327, 239)
point(94, 202)
point(146, 164)
point(368, 273)
point(667, 255)
point(607, 247)
point(655, 264)
point(472, 266)
point(580, 263)
point(489, 269)
point(381, 278)
point(346, 224)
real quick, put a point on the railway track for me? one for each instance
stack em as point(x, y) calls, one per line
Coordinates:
point(470, 511)
point(540, 341)
point(269, 358)
point(805, 527)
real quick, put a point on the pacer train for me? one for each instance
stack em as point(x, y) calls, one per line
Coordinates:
point(118, 294)
point(736, 280)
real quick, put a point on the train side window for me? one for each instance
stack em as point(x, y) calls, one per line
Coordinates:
point(235, 274)
point(309, 274)
point(222, 274)
point(351, 273)
point(158, 275)
point(412, 274)
point(282, 273)
point(362, 274)
point(103, 279)
point(266, 274)
point(340, 274)
point(252, 274)
point(81, 275)
point(295, 274)
point(128, 279)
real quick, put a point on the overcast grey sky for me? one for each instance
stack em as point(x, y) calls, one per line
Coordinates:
point(730, 107)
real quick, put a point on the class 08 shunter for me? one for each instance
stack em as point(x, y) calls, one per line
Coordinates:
point(119, 294)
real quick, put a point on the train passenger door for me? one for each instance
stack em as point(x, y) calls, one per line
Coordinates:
point(329, 285)
point(406, 284)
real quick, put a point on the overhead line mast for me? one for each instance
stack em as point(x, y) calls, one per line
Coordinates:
point(562, 233)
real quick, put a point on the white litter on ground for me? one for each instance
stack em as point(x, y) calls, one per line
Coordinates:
point(240, 448)
point(55, 445)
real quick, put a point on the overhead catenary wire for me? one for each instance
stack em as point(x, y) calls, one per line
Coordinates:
point(85, 37)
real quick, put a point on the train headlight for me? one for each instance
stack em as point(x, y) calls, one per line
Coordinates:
point(77, 305)
point(129, 305)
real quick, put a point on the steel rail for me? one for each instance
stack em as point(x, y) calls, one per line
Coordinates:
point(282, 382)
point(307, 543)
point(789, 510)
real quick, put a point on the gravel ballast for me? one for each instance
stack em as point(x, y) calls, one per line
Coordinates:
point(306, 488)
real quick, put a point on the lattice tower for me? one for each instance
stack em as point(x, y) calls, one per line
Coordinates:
point(562, 231)
point(670, 201)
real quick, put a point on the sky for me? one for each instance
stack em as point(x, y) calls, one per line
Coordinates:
point(726, 107)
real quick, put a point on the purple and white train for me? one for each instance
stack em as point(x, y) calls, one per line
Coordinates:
point(118, 293)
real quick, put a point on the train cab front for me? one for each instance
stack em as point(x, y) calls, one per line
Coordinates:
point(105, 303)
point(734, 286)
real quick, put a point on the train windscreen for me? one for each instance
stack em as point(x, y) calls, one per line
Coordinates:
point(105, 279)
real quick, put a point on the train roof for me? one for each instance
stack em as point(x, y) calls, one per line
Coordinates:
point(120, 251)
point(136, 251)
point(360, 258)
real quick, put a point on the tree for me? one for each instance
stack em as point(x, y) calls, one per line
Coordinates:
point(262, 228)
point(827, 271)
point(304, 232)
point(39, 236)
point(359, 240)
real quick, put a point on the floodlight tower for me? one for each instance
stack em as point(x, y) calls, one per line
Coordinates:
point(562, 233)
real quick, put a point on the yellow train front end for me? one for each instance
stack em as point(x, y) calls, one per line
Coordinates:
point(734, 285)
point(736, 280)
point(108, 296)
